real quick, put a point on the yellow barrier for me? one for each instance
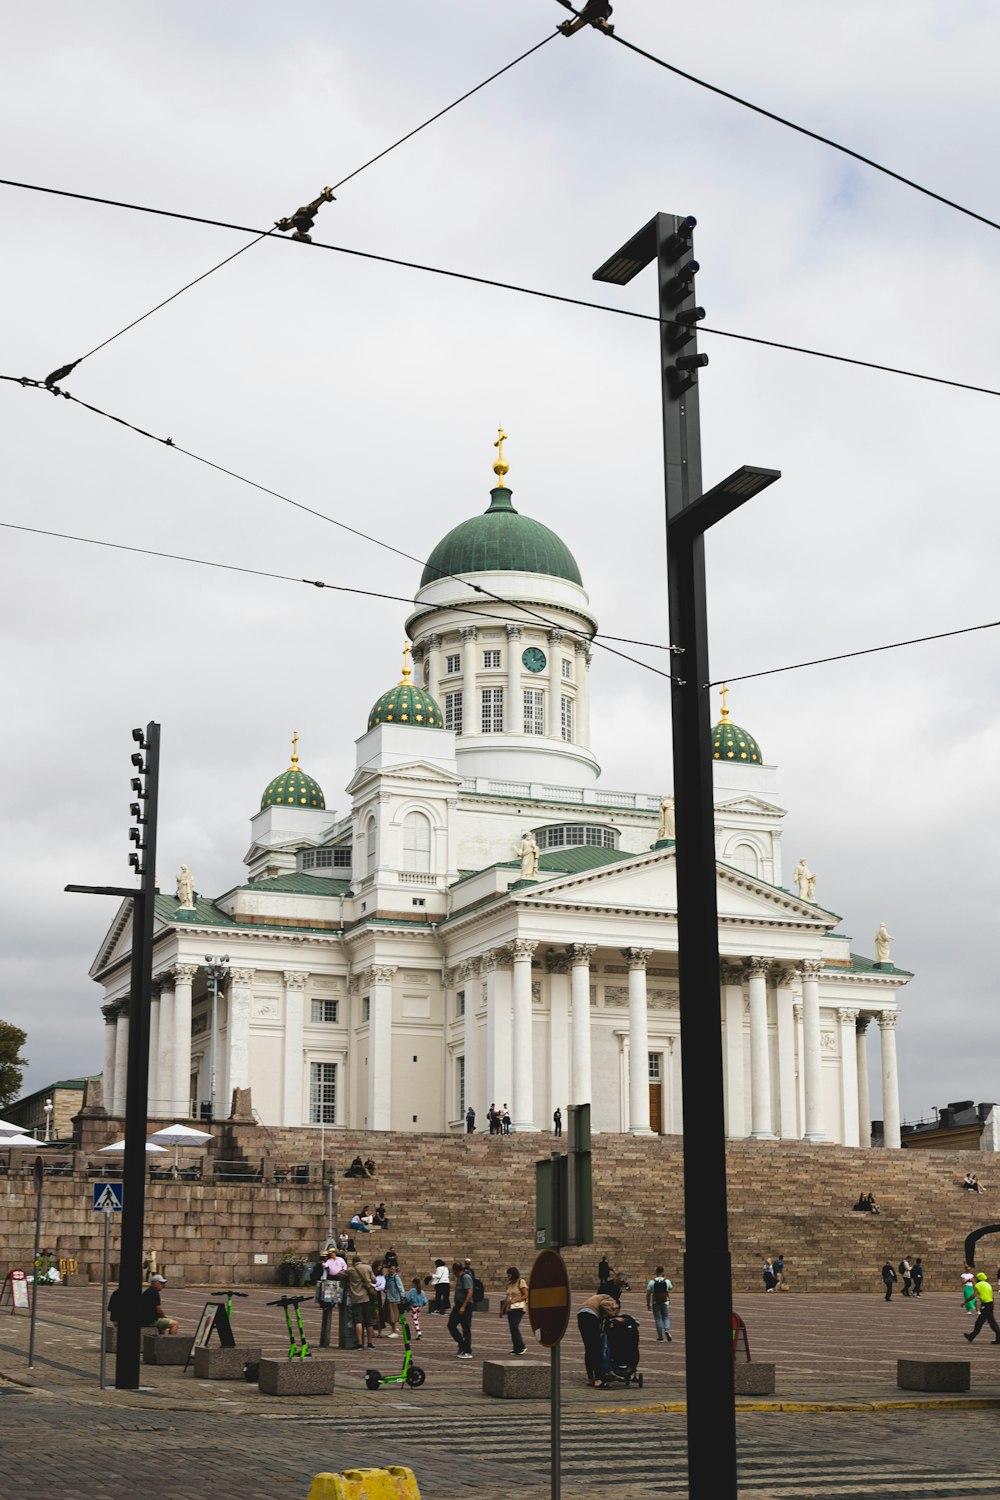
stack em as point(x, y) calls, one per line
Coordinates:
point(366, 1484)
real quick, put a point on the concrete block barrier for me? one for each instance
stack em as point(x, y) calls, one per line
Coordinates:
point(753, 1378)
point(166, 1348)
point(225, 1364)
point(515, 1379)
point(296, 1377)
point(394, 1483)
point(933, 1374)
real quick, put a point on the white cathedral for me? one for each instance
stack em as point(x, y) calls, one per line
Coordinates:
point(487, 923)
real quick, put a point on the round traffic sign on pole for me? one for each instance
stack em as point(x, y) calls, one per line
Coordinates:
point(548, 1298)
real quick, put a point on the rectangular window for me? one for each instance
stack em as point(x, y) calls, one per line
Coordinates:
point(323, 1093)
point(567, 667)
point(460, 1003)
point(654, 1067)
point(453, 712)
point(452, 665)
point(492, 710)
point(567, 718)
point(324, 1011)
point(366, 1009)
point(491, 659)
point(460, 1086)
point(534, 711)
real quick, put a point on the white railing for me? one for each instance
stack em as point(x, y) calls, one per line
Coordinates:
point(407, 877)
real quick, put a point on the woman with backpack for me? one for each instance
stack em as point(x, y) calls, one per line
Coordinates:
point(658, 1302)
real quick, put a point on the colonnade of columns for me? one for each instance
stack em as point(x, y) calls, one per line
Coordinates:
point(168, 1083)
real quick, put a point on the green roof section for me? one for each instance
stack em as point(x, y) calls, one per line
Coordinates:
point(501, 540)
point(300, 885)
point(168, 909)
point(576, 860)
point(861, 965)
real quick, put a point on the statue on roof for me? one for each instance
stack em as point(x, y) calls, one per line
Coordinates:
point(668, 827)
point(882, 940)
point(527, 851)
point(806, 881)
point(185, 889)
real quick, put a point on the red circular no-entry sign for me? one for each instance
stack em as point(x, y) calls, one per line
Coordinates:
point(548, 1298)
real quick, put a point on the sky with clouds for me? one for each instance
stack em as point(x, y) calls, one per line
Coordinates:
point(373, 393)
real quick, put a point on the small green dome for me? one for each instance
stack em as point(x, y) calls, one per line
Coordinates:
point(730, 742)
point(406, 704)
point(501, 540)
point(293, 788)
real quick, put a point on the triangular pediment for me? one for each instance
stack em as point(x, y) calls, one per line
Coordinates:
point(408, 771)
point(751, 805)
point(649, 884)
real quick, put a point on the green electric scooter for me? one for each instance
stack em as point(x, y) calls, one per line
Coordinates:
point(297, 1346)
point(410, 1374)
point(229, 1294)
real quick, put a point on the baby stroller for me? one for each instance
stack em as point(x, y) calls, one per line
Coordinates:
point(621, 1348)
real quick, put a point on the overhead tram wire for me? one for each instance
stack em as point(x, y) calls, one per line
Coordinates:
point(204, 562)
point(267, 233)
point(813, 135)
point(29, 384)
point(525, 291)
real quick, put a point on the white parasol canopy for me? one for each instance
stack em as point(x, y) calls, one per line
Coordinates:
point(180, 1135)
point(6, 1141)
point(6, 1128)
point(119, 1146)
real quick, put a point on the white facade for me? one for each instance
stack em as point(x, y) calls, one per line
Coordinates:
point(390, 967)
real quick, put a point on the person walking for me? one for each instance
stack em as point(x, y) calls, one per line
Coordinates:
point(984, 1291)
point(413, 1301)
point(470, 1121)
point(441, 1282)
point(603, 1271)
point(590, 1319)
point(394, 1293)
point(917, 1276)
point(460, 1320)
point(906, 1272)
point(361, 1285)
point(770, 1280)
point(557, 1122)
point(658, 1301)
point(888, 1276)
point(968, 1291)
point(515, 1305)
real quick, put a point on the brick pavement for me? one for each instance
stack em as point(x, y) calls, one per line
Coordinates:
point(181, 1438)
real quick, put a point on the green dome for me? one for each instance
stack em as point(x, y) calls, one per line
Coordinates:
point(501, 541)
point(406, 704)
point(730, 742)
point(293, 788)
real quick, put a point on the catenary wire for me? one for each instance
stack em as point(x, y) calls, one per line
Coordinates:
point(350, 176)
point(525, 291)
point(204, 562)
point(477, 588)
point(813, 135)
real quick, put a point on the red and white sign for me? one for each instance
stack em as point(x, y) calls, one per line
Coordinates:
point(15, 1291)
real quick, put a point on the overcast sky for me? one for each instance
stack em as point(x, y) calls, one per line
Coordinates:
point(373, 394)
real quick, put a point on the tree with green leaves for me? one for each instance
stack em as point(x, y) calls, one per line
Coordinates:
point(12, 1064)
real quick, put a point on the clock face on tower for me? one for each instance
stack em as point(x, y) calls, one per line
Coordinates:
point(534, 659)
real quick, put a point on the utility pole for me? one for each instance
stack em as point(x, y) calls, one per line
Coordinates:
point(145, 789)
point(711, 1422)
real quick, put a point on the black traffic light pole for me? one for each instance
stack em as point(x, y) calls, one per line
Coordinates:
point(711, 1423)
point(145, 789)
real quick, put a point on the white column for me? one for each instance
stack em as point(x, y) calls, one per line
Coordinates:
point(523, 1093)
point(294, 1045)
point(864, 1103)
point(638, 1041)
point(800, 1092)
point(732, 1005)
point(121, 1057)
point(580, 955)
point(471, 721)
point(238, 1033)
point(553, 725)
point(160, 1104)
point(813, 1056)
point(849, 1075)
point(380, 1048)
point(110, 1014)
point(557, 965)
point(513, 719)
point(498, 1029)
point(890, 1079)
point(154, 1051)
point(760, 1057)
point(788, 1113)
point(581, 724)
point(181, 1089)
point(469, 977)
point(432, 646)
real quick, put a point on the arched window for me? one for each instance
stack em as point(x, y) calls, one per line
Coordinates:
point(745, 858)
point(370, 845)
point(417, 843)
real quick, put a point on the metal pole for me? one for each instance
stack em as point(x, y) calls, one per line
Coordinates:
point(104, 1293)
point(211, 1043)
point(555, 1360)
point(34, 1284)
point(329, 1212)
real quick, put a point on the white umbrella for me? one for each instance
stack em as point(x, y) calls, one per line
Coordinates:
point(180, 1135)
point(119, 1146)
point(6, 1128)
point(19, 1140)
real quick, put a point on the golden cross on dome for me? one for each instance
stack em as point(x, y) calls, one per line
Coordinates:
point(500, 468)
point(723, 693)
point(406, 665)
point(295, 751)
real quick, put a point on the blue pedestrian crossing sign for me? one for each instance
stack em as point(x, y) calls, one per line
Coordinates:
point(108, 1197)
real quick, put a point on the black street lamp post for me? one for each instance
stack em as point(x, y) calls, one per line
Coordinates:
point(711, 1423)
